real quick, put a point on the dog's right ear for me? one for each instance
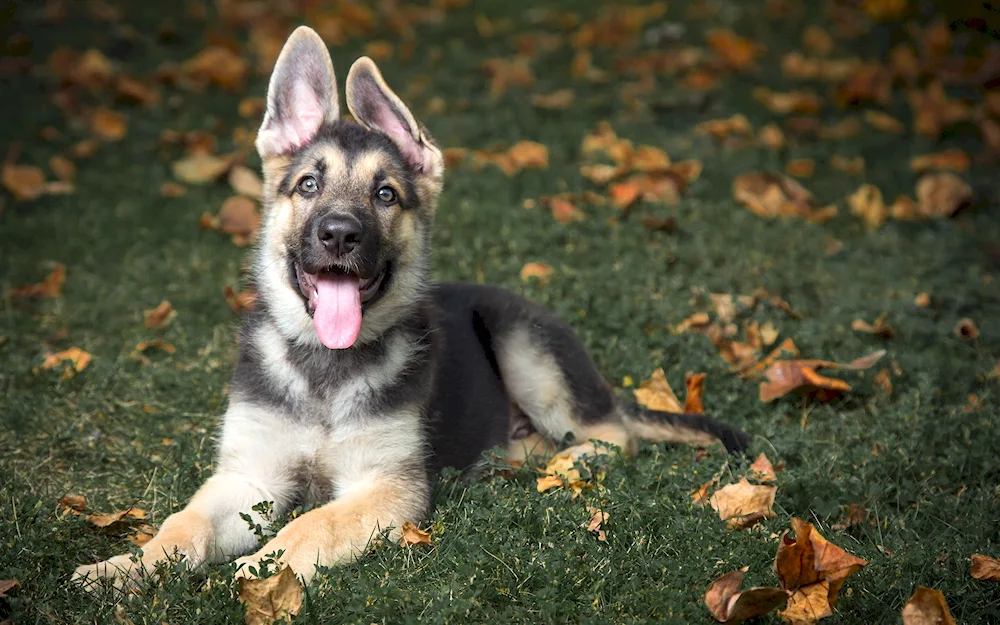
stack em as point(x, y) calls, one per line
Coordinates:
point(301, 96)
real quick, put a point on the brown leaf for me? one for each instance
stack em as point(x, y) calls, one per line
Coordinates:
point(736, 52)
point(933, 111)
point(131, 91)
point(700, 496)
point(786, 103)
point(764, 469)
point(73, 503)
point(817, 41)
point(772, 137)
point(624, 195)
point(245, 181)
point(786, 376)
point(63, 168)
point(942, 194)
point(719, 129)
point(202, 168)
point(879, 327)
point(142, 535)
point(159, 317)
point(966, 329)
point(564, 211)
point(556, 101)
point(867, 203)
point(239, 216)
point(537, 270)
point(597, 520)
point(159, 344)
point(810, 558)
point(854, 514)
point(270, 599)
point(8, 585)
point(771, 196)
point(25, 182)
point(743, 504)
point(927, 606)
point(76, 357)
point(807, 605)
point(954, 160)
point(853, 166)
point(217, 65)
point(800, 167)
point(787, 348)
point(50, 287)
point(240, 301)
point(172, 189)
point(883, 121)
point(108, 125)
point(410, 534)
point(656, 394)
point(105, 521)
point(695, 383)
point(561, 472)
point(503, 73)
point(729, 605)
point(985, 568)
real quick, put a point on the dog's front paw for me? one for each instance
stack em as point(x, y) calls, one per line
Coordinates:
point(119, 571)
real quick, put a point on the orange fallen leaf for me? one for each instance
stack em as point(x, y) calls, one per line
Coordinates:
point(800, 167)
point(764, 469)
point(849, 165)
point(772, 137)
point(108, 125)
point(884, 10)
point(76, 357)
point(240, 301)
point(537, 270)
point(695, 383)
point(743, 504)
point(596, 523)
point(985, 568)
point(202, 168)
point(239, 216)
point(966, 329)
point(941, 194)
point(656, 394)
point(728, 604)
point(105, 521)
point(245, 181)
point(700, 496)
point(142, 535)
point(159, 317)
point(217, 65)
point(883, 121)
point(786, 103)
point(810, 558)
point(172, 189)
point(73, 503)
point(771, 196)
point(736, 52)
point(561, 472)
point(854, 514)
point(879, 327)
point(719, 129)
point(817, 41)
point(62, 167)
point(51, 286)
point(868, 204)
point(927, 606)
point(933, 111)
point(954, 159)
point(503, 73)
point(159, 344)
point(412, 535)
point(665, 186)
point(564, 211)
point(808, 604)
point(785, 376)
point(624, 195)
point(25, 182)
point(555, 101)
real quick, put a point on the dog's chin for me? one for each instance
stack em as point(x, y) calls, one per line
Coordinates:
point(370, 290)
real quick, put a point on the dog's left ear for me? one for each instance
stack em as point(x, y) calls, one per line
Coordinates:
point(374, 105)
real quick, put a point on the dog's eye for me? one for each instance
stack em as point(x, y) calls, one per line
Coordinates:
point(308, 185)
point(386, 194)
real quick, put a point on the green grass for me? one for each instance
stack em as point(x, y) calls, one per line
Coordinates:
point(503, 552)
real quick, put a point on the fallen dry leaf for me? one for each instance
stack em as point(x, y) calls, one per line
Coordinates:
point(245, 181)
point(564, 211)
point(76, 357)
point(927, 606)
point(159, 317)
point(785, 376)
point(270, 599)
point(521, 155)
point(63, 168)
point(108, 125)
point(811, 559)
point(240, 301)
point(808, 604)
point(764, 469)
point(596, 524)
point(771, 196)
point(172, 189)
point(51, 286)
point(656, 394)
point(854, 514)
point(719, 129)
point(25, 182)
point(73, 503)
point(772, 137)
point(883, 121)
point(879, 327)
point(239, 216)
point(410, 534)
point(624, 195)
point(730, 605)
point(142, 535)
point(556, 101)
point(202, 168)
point(800, 167)
point(700, 496)
point(849, 165)
point(985, 568)
point(954, 160)
point(743, 504)
point(8, 585)
point(219, 66)
point(561, 472)
point(942, 194)
point(868, 204)
point(503, 73)
point(736, 52)
point(159, 344)
point(537, 270)
point(966, 329)
point(105, 521)
point(786, 103)
point(695, 383)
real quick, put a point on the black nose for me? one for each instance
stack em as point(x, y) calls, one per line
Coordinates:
point(339, 234)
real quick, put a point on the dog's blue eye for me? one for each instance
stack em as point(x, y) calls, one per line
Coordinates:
point(387, 194)
point(308, 185)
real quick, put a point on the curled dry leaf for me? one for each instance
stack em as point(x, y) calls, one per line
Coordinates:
point(51, 286)
point(772, 137)
point(695, 383)
point(560, 472)
point(76, 357)
point(202, 168)
point(108, 521)
point(927, 606)
point(159, 317)
point(656, 394)
point(240, 301)
point(537, 270)
point(217, 65)
point(743, 504)
point(736, 52)
point(954, 159)
point(410, 534)
point(272, 598)
point(879, 327)
point(8, 585)
point(24, 182)
point(596, 523)
point(73, 503)
point(556, 101)
point(719, 129)
point(730, 605)
point(966, 329)
point(868, 204)
point(245, 181)
point(771, 196)
point(942, 194)
point(624, 195)
point(985, 568)
point(810, 559)
point(800, 167)
point(764, 470)
point(239, 216)
point(785, 376)
point(808, 604)
point(564, 211)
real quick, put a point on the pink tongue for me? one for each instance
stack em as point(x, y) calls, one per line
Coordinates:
point(338, 310)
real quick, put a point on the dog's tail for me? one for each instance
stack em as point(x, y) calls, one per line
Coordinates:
point(673, 427)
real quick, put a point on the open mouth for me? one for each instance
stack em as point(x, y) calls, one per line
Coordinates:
point(334, 298)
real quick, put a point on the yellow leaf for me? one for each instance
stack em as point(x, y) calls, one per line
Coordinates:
point(656, 394)
point(927, 606)
point(412, 535)
point(744, 504)
point(275, 597)
point(159, 317)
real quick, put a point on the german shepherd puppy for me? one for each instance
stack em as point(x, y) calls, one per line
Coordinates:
point(358, 376)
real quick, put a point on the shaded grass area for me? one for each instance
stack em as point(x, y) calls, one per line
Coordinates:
point(125, 433)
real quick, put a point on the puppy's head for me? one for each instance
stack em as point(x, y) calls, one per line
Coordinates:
point(348, 206)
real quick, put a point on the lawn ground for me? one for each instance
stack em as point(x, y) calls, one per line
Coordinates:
point(132, 432)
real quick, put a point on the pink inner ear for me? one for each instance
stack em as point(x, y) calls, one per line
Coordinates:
point(391, 125)
point(301, 119)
